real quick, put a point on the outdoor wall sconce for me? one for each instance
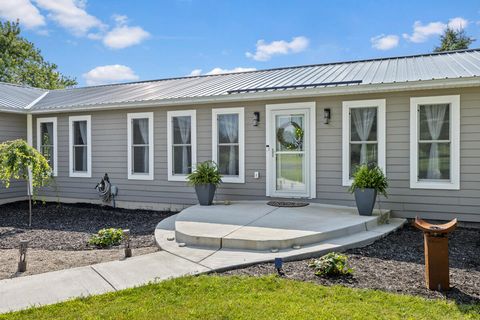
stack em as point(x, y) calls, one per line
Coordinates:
point(327, 114)
point(256, 118)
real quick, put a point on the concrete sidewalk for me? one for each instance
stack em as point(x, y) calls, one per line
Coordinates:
point(52, 287)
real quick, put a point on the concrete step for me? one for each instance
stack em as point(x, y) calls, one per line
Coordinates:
point(257, 226)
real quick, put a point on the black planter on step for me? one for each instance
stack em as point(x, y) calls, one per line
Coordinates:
point(205, 193)
point(365, 200)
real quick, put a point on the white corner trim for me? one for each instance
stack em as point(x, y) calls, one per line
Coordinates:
point(52, 120)
point(381, 134)
point(193, 131)
point(270, 141)
point(150, 174)
point(454, 183)
point(241, 141)
point(71, 120)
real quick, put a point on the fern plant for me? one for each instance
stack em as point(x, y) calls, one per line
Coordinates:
point(369, 177)
point(205, 173)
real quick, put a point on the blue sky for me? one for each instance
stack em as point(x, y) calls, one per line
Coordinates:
point(103, 41)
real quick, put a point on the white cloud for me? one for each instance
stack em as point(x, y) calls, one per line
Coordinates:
point(71, 15)
point(458, 23)
point(123, 36)
point(24, 11)
point(195, 72)
point(422, 33)
point(385, 42)
point(265, 51)
point(109, 74)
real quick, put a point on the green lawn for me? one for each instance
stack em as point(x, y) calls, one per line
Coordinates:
point(215, 297)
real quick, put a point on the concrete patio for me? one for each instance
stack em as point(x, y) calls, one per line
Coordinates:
point(242, 233)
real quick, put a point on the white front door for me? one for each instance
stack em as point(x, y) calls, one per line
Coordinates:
point(290, 146)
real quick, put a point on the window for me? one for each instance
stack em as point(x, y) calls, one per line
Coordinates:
point(140, 146)
point(182, 144)
point(47, 141)
point(80, 146)
point(435, 142)
point(228, 143)
point(363, 136)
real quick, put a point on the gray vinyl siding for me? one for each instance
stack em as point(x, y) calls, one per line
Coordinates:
point(13, 126)
point(109, 154)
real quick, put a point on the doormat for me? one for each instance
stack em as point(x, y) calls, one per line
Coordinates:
point(288, 204)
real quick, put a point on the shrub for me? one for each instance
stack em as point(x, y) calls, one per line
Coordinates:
point(369, 177)
point(107, 237)
point(205, 173)
point(331, 264)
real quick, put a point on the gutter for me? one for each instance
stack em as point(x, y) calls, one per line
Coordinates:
point(276, 95)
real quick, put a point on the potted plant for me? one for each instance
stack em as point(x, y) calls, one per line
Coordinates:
point(368, 180)
point(206, 178)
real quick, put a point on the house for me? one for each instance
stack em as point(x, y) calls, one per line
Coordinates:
point(294, 132)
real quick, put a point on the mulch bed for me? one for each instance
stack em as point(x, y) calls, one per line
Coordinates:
point(396, 264)
point(69, 226)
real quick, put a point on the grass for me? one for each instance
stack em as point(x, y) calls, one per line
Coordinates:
point(217, 297)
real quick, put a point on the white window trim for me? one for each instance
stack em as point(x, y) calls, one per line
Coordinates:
point(193, 131)
point(71, 120)
point(130, 117)
point(454, 183)
point(55, 144)
point(241, 141)
point(381, 134)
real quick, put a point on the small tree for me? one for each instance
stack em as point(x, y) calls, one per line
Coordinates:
point(20, 161)
point(454, 39)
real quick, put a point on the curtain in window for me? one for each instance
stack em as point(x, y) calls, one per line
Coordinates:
point(143, 128)
point(363, 119)
point(49, 142)
point(184, 128)
point(82, 125)
point(435, 118)
point(229, 127)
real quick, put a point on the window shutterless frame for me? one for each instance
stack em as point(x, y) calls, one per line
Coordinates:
point(454, 104)
point(240, 178)
point(53, 121)
point(130, 117)
point(71, 121)
point(346, 135)
point(170, 141)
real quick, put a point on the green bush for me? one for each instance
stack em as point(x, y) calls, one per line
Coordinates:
point(107, 237)
point(205, 173)
point(369, 177)
point(331, 264)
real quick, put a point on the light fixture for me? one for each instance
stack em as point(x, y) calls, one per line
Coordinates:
point(256, 118)
point(327, 114)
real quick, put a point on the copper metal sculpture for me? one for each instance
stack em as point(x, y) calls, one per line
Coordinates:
point(436, 253)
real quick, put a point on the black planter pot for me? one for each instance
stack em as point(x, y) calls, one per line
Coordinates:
point(205, 193)
point(365, 200)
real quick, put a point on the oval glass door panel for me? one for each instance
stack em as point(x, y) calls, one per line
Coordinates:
point(290, 153)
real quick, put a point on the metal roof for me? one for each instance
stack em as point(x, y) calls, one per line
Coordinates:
point(16, 97)
point(361, 73)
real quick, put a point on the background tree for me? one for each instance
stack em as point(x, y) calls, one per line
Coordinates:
point(22, 63)
point(454, 39)
point(17, 158)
